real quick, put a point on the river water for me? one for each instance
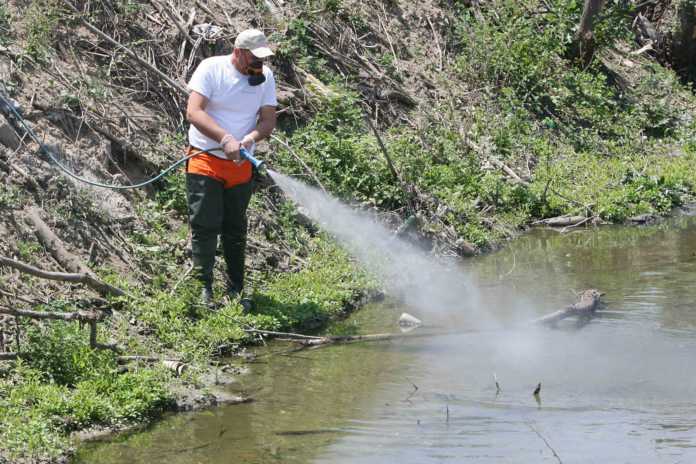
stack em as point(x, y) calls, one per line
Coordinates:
point(619, 389)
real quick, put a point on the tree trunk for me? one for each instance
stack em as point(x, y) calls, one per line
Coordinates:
point(583, 45)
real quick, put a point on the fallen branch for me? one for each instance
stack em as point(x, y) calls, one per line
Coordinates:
point(27, 178)
point(69, 261)
point(173, 365)
point(84, 278)
point(565, 229)
point(407, 194)
point(586, 307)
point(177, 20)
point(589, 301)
point(333, 339)
point(563, 221)
point(287, 335)
point(507, 170)
point(16, 297)
point(84, 316)
point(55, 245)
point(546, 442)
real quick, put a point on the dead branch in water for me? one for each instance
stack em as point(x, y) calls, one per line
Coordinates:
point(315, 341)
point(563, 221)
point(586, 307)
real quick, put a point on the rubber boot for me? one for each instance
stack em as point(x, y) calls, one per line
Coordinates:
point(205, 197)
point(234, 234)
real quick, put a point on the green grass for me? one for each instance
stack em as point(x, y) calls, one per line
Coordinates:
point(317, 294)
point(42, 17)
point(5, 25)
point(61, 385)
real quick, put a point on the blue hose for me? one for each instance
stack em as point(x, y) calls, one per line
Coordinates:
point(43, 148)
point(258, 164)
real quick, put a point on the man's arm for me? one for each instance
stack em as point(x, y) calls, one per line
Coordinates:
point(265, 125)
point(196, 115)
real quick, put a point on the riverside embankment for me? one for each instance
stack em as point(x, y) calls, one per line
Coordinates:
point(458, 123)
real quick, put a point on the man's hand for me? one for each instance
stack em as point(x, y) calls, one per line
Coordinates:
point(231, 148)
point(248, 142)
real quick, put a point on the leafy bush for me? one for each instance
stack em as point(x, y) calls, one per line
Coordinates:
point(348, 162)
point(42, 19)
point(35, 415)
point(173, 194)
point(61, 352)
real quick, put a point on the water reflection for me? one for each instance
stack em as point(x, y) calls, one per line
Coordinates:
point(619, 390)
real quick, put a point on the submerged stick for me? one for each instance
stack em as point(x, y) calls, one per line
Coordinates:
point(546, 442)
point(589, 301)
point(336, 339)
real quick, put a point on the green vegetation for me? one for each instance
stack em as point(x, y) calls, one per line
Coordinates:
point(63, 385)
point(591, 139)
point(42, 20)
point(5, 26)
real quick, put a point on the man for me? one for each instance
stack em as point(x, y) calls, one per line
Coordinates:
point(231, 105)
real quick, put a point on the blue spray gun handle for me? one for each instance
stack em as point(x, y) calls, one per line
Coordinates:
point(257, 163)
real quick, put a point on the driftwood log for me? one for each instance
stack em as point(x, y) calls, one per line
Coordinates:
point(173, 365)
point(585, 308)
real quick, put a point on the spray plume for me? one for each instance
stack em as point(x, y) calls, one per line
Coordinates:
point(407, 272)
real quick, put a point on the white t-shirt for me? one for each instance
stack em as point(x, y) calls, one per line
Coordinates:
point(232, 102)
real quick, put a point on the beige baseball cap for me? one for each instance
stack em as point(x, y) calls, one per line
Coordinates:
point(254, 41)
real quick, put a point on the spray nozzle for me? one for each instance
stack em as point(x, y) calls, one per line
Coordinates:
point(257, 163)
